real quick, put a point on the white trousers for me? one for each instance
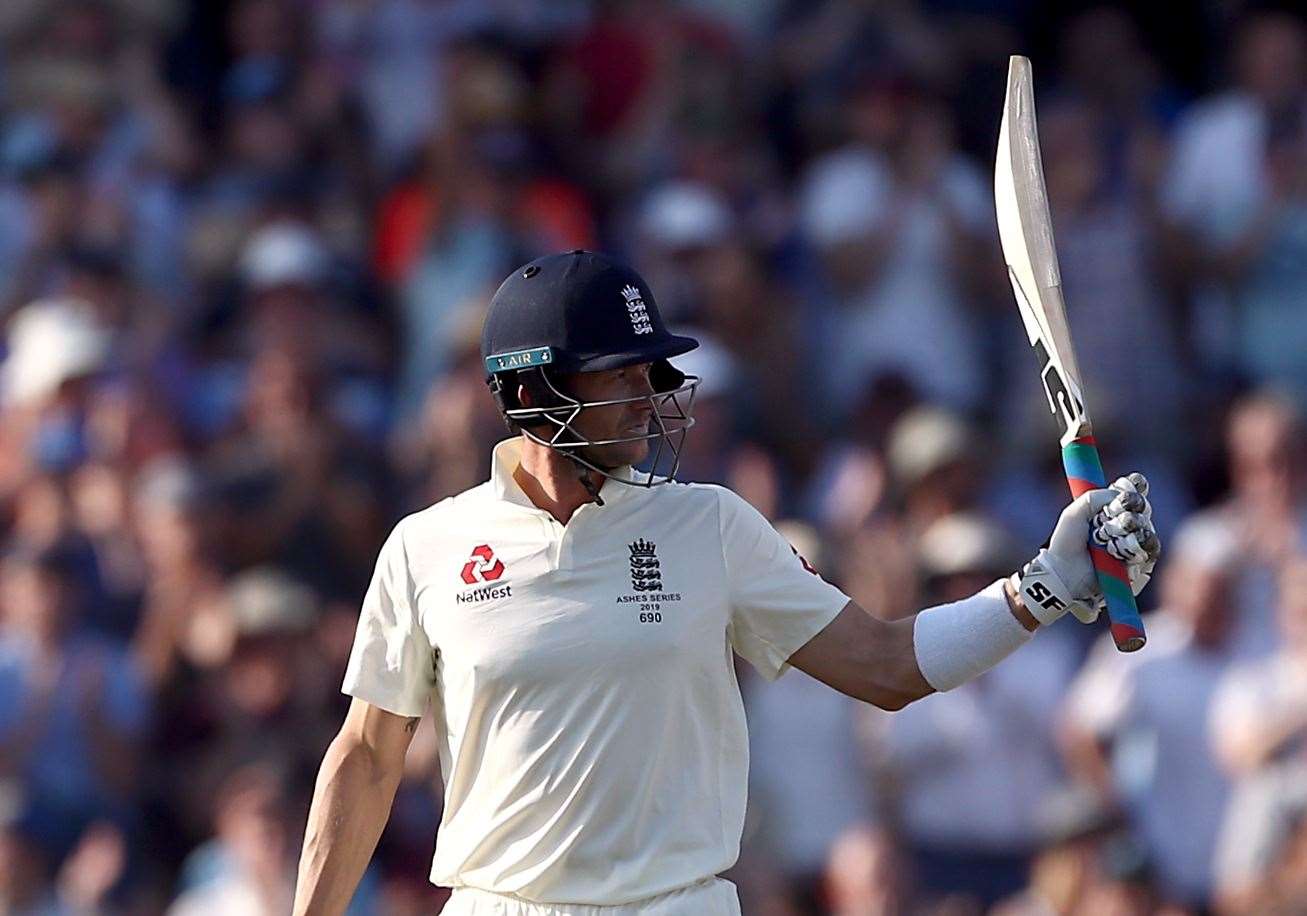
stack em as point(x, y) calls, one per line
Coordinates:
point(709, 897)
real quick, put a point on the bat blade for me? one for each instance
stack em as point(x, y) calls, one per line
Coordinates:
point(1025, 229)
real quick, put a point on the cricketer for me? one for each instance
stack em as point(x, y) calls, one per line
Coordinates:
point(571, 624)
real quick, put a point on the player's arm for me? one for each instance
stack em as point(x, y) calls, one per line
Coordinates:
point(874, 660)
point(891, 664)
point(351, 804)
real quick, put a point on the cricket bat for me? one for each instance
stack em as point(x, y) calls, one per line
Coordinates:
point(1026, 231)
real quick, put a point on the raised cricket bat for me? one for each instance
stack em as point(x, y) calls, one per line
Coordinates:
point(1026, 231)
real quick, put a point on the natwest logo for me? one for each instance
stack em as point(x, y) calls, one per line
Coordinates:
point(482, 567)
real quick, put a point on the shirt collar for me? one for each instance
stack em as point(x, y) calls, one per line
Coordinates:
point(506, 457)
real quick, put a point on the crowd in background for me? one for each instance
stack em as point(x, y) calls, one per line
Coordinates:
point(245, 248)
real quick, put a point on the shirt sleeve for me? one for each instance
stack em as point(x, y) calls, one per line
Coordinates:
point(778, 602)
point(391, 665)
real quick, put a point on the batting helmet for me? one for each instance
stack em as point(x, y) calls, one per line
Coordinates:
point(584, 312)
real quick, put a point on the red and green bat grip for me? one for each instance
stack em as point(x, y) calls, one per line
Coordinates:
point(1084, 471)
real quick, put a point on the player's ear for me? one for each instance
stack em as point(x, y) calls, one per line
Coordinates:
point(524, 396)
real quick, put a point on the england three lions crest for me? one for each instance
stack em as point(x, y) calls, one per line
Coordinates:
point(646, 576)
point(636, 310)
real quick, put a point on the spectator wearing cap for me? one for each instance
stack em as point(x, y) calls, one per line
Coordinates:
point(55, 347)
point(256, 705)
point(964, 774)
point(298, 297)
point(1137, 726)
point(1259, 729)
point(679, 226)
point(934, 460)
point(73, 707)
point(52, 343)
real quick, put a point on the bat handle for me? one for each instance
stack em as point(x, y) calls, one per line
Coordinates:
point(1084, 471)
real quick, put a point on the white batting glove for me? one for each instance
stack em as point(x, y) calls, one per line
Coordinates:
point(1125, 529)
point(1061, 577)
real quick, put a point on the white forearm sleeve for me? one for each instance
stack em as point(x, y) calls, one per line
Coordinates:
point(956, 642)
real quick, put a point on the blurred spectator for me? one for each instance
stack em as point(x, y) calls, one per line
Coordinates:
point(26, 873)
point(1126, 886)
point(1265, 262)
point(296, 495)
point(1230, 167)
point(750, 308)
point(851, 478)
point(73, 707)
point(1264, 511)
point(878, 569)
point(707, 453)
point(1259, 728)
point(259, 704)
point(1106, 248)
point(807, 784)
point(935, 459)
point(249, 865)
point(965, 773)
point(51, 343)
point(893, 217)
point(680, 225)
point(465, 254)
point(1137, 725)
point(183, 621)
point(865, 875)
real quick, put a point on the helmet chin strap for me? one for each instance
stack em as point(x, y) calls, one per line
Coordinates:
point(588, 468)
point(590, 486)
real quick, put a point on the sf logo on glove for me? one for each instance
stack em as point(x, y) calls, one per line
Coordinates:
point(1044, 598)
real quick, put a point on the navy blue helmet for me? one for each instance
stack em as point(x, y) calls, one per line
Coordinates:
point(584, 312)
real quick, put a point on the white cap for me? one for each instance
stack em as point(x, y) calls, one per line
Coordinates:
point(51, 341)
point(282, 254)
point(265, 600)
point(844, 197)
point(685, 214)
point(965, 542)
point(924, 440)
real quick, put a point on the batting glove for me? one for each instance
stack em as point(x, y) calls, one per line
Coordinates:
point(1061, 577)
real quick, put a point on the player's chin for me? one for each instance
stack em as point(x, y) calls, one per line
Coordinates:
point(624, 453)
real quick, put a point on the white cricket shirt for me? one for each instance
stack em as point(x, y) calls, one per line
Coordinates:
point(592, 734)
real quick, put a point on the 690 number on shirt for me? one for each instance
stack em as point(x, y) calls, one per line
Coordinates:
point(651, 612)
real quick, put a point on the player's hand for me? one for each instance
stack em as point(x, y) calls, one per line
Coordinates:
point(1125, 529)
point(1062, 578)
